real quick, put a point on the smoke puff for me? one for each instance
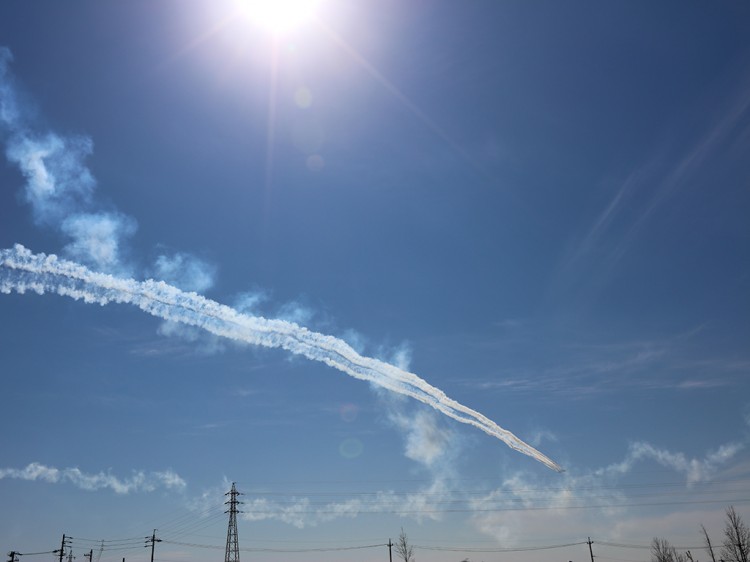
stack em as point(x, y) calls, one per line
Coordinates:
point(185, 271)
point(57, 180)
point(59, 187)
point(202, 343)
point(9, 113)
point(426, 441)
point(250, 301)
point(96, 239)
point(402, 356)
point(295, 312)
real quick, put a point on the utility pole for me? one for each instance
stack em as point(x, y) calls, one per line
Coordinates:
point(90, 555)
point(12, 556)
point(61, 552)
point(232, 553)
point(99, 553)
point(153, 540)
point(390, 552)
point(591, 552)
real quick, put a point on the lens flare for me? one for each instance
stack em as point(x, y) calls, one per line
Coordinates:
point(303, 97)
point(348, 412)
point(351, 448)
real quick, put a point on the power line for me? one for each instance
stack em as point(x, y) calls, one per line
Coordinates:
point(657, 471)
point(124, 547)
point(98, 541)
point(287, 550)
point(610, 558)
point(444, 498)
point(544, 489)
point(187, 518)
point(501, 509)
point(189, 527)
point(648, 547)
point(368, 546)
point(517, 549)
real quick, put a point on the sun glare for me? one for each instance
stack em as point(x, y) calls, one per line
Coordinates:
point(278, 16)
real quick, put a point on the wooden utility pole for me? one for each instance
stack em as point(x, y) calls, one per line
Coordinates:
point(62, 549)
point(153, 540)
point(390, 552)
point(589, 542)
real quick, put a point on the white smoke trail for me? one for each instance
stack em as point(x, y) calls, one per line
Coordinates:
point(21, 271)
point(139, 481)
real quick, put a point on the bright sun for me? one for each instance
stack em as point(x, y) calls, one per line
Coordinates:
point(278, 16)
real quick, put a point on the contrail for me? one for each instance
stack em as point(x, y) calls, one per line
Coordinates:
point(22, 271)
point(60, 190)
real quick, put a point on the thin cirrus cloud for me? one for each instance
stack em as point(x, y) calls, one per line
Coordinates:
point(647, 189)
point(583, 370)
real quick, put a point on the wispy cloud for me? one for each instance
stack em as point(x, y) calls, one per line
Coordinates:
point(98, 238)
point(594, 500)
point(245, 392)
point(427, 442)
point(61, 192)
point(185, 271)
point(59, 186)
point(580, 370)
point(200, 342)
point(604, 501)
point(695, 470)
point(9, 109)
point(591, 259)
point(139, 481)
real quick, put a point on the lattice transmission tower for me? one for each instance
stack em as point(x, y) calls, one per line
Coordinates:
point(233, 548)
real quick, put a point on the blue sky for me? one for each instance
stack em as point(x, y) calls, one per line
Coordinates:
point(539, 209)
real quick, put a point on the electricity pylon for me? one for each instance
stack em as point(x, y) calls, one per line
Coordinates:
point(232, 553)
